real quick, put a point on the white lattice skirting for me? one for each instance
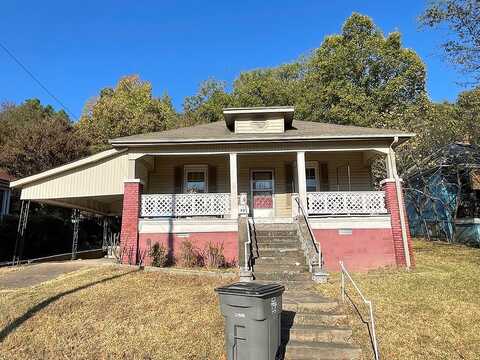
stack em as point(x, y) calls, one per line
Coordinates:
point(346, 202)
point(174, 205)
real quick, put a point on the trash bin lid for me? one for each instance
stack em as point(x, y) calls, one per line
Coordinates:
point(251, 289)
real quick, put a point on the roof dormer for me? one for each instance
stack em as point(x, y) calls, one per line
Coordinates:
point(254, 120)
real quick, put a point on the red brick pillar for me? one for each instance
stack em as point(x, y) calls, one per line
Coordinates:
point(392, 202)
point(131, 212)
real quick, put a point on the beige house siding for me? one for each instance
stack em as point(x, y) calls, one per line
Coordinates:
point(260, 126)
point(162, 178)
point(101, 178)
point(360, 175)
point(142, 171)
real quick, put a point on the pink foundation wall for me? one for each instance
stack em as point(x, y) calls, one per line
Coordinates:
point(200, 240)
point(363, 250)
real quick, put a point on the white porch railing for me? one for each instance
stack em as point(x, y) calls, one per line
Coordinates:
point(346, 202)
point(172, 205)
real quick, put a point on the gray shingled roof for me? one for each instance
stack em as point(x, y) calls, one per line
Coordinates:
point(218, 132)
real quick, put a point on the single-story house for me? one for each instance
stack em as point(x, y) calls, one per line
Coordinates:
point(194, 182)
point(443, 194)
point(5, 193)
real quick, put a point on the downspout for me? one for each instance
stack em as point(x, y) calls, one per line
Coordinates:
point(401, 211)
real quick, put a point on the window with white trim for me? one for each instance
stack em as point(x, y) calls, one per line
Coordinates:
point(311, 176)
point(195, 179)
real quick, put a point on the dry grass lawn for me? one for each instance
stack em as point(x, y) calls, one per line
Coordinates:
point(113, 313)
point(432, 312)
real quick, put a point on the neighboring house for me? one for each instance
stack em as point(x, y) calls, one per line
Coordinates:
point(443, 194)
point(187, 183)
point(4, 194)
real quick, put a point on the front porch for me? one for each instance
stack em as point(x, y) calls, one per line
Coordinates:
point(199, 197)
point(331, 184)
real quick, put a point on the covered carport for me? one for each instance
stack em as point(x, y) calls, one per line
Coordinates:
point(94, 184)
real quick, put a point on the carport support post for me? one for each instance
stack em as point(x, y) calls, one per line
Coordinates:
point(22, 225)
point(76, 224)
point(105, 232)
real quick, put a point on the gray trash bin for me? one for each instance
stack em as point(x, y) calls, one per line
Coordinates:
point(252, 314)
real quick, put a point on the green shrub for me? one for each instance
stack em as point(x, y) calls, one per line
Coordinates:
point(213, 256)
point(159, 255)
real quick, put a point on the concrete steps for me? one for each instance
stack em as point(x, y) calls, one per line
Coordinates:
point(284, 245)
point(275, 226)
point(320, 333)
point(309, 304)
point(275, 233)
point(282, 253)
point(278, 276)
point(276, 240)
point(313, 350)
point(282, 260)
point(314, 318)
point(265, 267)
point(292, 285)
point(313, 326)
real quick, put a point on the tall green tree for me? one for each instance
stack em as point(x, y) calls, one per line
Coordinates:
point(34, 138)
point(128, 109)
point(462, 42)
point(359, 77)
point(362, 77)
point(207, 104)
point(468, 115)
point(269, 87)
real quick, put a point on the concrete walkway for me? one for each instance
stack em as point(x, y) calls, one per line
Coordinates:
point(30, 275)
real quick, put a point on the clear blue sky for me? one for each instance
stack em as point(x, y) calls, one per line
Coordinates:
point(76, 48)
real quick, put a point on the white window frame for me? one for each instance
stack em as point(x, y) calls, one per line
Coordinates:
point(314, 165)
point(194, 168)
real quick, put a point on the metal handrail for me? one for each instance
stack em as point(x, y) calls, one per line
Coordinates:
point(244, 211)
point(316, 244)
point(247, 245)
point(345, 274)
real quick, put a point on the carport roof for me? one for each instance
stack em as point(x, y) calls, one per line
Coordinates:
point(75, 164)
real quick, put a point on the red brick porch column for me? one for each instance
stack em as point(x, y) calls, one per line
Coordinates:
point(392, 202)
point(131, 212)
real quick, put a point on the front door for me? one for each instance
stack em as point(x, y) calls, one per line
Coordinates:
point(262, 190)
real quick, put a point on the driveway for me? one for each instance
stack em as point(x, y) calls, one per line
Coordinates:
point(34, 274)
